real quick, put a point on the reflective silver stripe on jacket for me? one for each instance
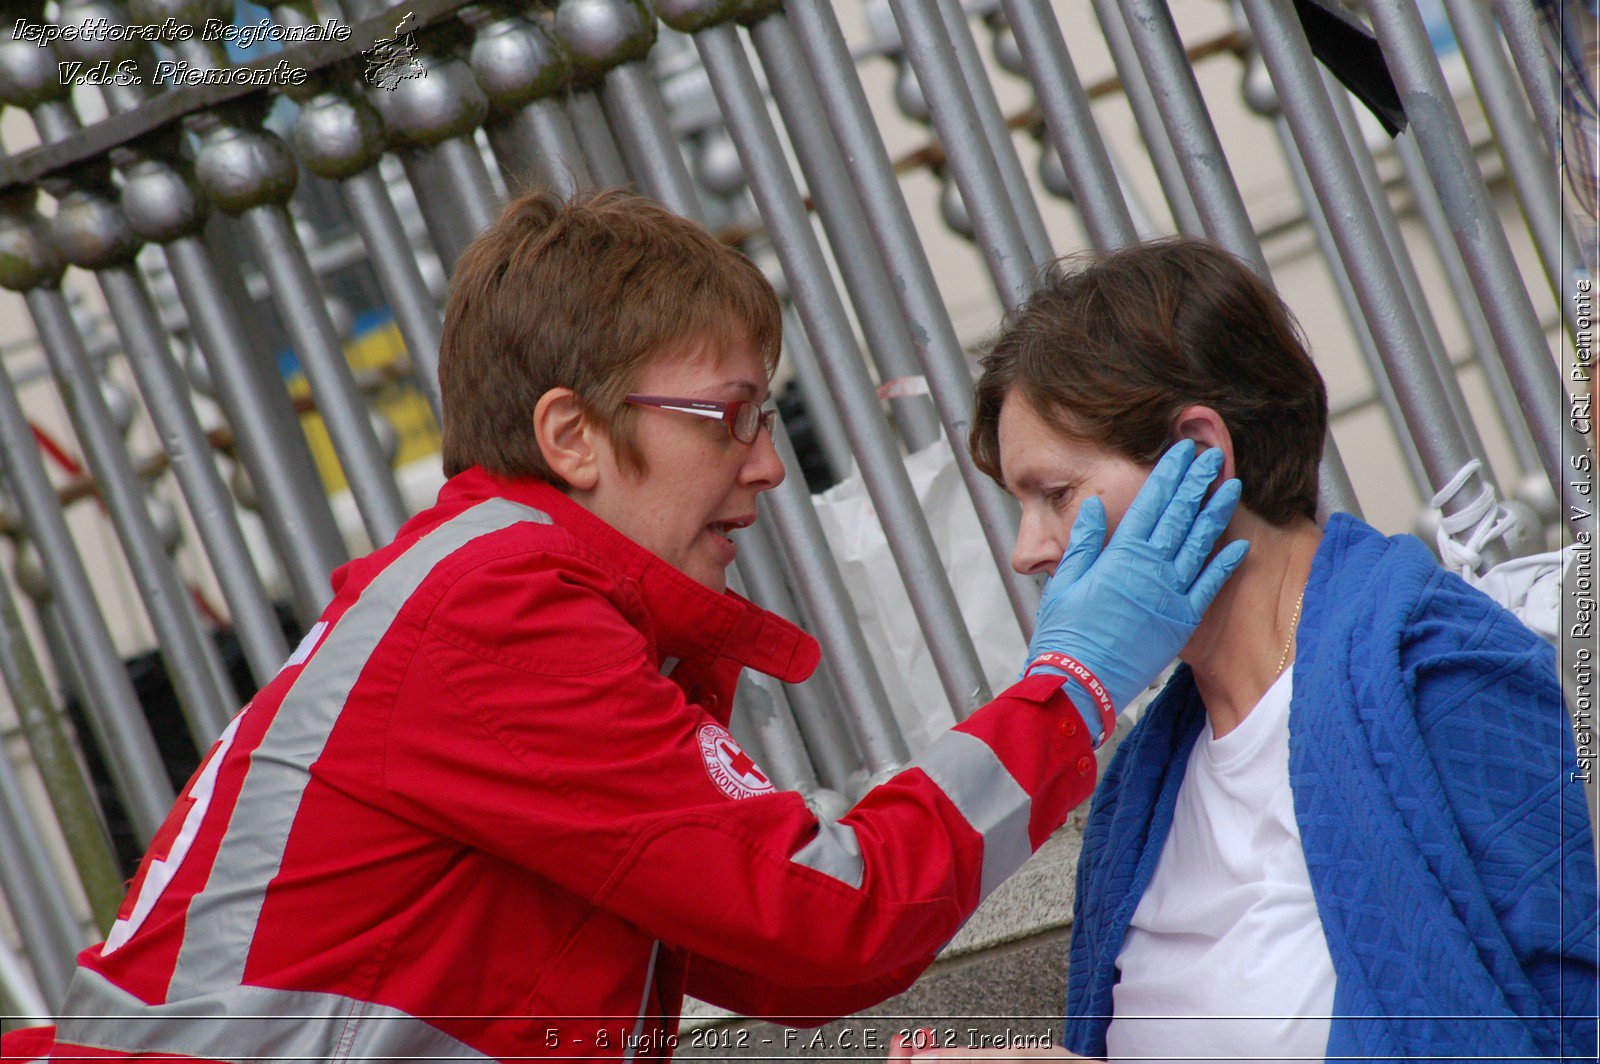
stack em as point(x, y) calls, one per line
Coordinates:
point(835, 851)
point(236, 1023)
point(221, 921)
point(994, 803)
point(980, 787)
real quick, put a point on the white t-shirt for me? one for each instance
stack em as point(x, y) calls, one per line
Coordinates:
point(1228, 927)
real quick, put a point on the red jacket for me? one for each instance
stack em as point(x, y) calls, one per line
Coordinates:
point(490, 808)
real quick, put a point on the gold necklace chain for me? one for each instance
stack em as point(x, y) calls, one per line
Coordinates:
point(1294, 622)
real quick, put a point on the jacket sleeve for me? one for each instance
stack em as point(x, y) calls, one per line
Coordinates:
point(534, 724)
point(1489, 705)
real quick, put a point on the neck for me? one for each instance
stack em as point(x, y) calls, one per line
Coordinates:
point(1236, 651)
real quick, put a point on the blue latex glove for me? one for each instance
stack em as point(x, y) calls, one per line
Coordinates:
point(1126, 611)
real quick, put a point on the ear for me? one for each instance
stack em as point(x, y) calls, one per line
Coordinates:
point(1205, 427)
point(566, 438)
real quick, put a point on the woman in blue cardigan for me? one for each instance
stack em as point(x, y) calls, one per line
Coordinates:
point(1349, 826)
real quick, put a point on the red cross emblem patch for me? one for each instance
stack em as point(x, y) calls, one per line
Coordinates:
point(729, 767)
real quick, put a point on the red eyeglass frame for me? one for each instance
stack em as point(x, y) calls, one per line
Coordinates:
point(725, 410)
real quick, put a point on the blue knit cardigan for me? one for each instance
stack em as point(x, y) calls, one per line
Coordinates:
point(1446, 837)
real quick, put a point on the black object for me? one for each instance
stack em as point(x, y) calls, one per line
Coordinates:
point(1351, 53)
point(813, 464)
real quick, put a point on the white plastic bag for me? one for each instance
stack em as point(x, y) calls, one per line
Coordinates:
point(850, 524)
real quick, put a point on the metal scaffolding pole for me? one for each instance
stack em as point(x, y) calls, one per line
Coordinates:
point(35, 583)
point(430, 120)
point(293, 505)
point(766, 717)
point(57, 764)
point(638, 118)
point(1519, 340)
point(248, 172)
point(191, 658)
point(866, 278)
point(305, 316)
point(1512, 416)
point(1520, 25)
point(1365, 253)
point(161, 206)
point(780, 203)
point(1071, 124)
point(112, 706)
point(1019, 194)
point(166, 396)
point(21, 1000)
point(90, 232)
point(1335, 492)
point(311, 331)
point(594, 138)
point(832, 737)
point(955, 115)
point(600, 37)
point(1147, 114)
point(55, 757)
point(538, 146)
point(105, 239)
point(1381, 386)
point(340, 138)
point(943, 362)
point(522, 69)
point(394, 261)
point(38, 898)
point(1530, 166)
point(760, 705)
point(1389, 225)
point(1189, 129)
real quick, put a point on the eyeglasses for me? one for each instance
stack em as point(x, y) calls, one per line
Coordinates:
point(743, 418)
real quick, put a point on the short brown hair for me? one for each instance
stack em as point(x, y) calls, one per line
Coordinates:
point(1113, 347)
point(582, 294)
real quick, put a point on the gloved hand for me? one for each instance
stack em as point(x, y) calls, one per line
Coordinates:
point(1124, 612)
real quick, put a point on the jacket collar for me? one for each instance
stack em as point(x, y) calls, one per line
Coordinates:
point(691, 622)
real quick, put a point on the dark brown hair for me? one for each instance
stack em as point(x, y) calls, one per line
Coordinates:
point(582, 294)
point(1111, 348)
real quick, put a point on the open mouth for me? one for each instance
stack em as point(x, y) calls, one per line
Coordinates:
point(721, 531)
point(723, 528)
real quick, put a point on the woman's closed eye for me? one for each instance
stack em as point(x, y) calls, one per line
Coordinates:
point(1060, 495)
